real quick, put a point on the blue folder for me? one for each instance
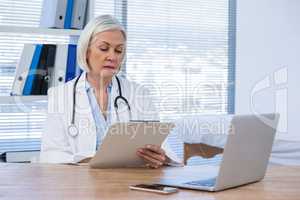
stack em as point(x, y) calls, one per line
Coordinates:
point(71, 63)
point(69, 11)
point(32, 70)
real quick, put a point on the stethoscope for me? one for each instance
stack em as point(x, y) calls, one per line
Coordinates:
point(73, 130)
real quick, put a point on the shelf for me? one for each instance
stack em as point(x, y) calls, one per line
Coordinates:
point(22, 99)
point(37, 30)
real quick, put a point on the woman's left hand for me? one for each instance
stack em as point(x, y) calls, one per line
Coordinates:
point(153, 155)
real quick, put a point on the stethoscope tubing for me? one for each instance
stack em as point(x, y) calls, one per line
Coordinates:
point(72, 129)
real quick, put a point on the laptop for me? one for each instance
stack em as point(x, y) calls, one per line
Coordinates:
point(245, 157)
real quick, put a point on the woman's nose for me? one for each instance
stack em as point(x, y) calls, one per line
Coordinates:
point(112, 56)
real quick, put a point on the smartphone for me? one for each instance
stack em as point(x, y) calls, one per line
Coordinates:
point(154, 188)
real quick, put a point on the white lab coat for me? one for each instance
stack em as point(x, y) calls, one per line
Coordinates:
point(59, 147)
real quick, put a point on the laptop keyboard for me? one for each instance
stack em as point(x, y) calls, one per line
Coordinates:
point(207, 183)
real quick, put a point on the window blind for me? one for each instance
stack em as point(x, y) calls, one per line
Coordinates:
point(21, 126)
point(182, 51)
point(103, 7)
point(20, 13)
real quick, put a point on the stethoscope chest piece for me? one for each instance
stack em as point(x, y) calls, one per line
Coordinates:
point(73, 131)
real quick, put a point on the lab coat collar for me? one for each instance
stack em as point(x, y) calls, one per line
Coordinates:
point(83, 101)
point(84, 84)
point(81, 82)
point(89, 87)
point(82, 97)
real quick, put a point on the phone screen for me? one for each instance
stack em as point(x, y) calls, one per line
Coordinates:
point(151, 186)
point(154, 188)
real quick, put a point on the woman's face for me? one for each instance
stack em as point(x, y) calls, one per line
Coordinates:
point(105, 53)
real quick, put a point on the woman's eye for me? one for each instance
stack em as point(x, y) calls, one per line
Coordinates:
point(103, 48)
point(119, 50)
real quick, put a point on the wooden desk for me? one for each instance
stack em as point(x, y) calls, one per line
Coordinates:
point(37, 181)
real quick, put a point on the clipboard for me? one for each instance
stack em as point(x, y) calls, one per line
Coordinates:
point(118, 149)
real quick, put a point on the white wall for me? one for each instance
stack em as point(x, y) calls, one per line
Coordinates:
point(268, 40)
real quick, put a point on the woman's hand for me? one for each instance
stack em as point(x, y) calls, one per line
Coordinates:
point(153, 155)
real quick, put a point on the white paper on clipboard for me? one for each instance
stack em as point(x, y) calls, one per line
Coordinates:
point(122, 140)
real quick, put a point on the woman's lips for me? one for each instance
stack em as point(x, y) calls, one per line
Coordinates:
point(109, 67)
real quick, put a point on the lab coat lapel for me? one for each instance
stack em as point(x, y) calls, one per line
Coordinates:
point(86, 140)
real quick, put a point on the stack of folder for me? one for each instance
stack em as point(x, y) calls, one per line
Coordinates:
point(65, 14)
point(42, 66)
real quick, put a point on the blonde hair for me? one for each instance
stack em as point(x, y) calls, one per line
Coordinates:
point(96, 25)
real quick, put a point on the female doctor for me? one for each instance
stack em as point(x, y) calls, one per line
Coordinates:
point(80, 110)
